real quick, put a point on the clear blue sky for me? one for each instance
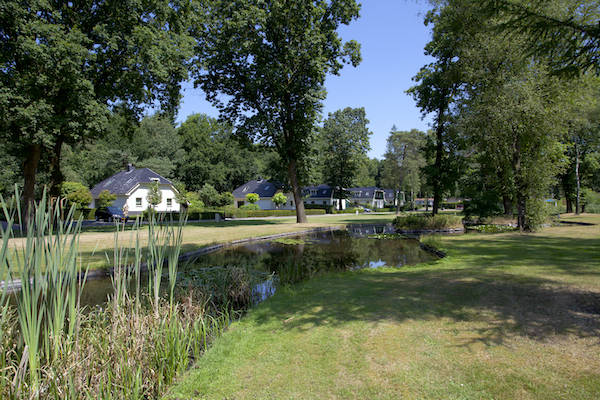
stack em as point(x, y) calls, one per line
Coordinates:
point(392, 36)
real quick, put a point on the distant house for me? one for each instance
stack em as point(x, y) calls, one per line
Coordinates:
point(131, 188)
point(374, 197)
point(321, 195)
point(265, 190)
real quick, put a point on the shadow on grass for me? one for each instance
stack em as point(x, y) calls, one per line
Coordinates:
point(471, 286)
point(532, 307)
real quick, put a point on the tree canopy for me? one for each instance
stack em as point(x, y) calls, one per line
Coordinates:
point(263, 64)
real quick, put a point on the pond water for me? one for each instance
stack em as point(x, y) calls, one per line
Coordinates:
point(297, 258)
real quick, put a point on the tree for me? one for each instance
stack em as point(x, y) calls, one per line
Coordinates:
point(76, 194)
point(154, 196)
point(346, 141)
point(211, 154)
point(105, 199)
point(64, 64)
point(404, 160)
point(264, 64)
point(252, 198)
point(279, 199)
point(438, 85)
point(566, 33)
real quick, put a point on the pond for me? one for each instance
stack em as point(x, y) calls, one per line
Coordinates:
point(294, 259)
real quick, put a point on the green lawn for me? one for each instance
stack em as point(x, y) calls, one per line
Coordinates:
point(504, 316)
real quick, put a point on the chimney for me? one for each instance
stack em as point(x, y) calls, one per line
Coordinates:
point(130, 167)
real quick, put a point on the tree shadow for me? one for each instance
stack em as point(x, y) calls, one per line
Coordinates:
point(532, 307)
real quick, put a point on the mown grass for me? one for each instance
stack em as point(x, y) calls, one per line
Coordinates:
point(504, 316)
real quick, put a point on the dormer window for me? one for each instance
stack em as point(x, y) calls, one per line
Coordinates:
point(154, 180)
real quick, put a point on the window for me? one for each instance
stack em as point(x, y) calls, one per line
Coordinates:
point(169, 202)
point(324, 202)
point(138, 201)
point(313, 192)
point(291, 203)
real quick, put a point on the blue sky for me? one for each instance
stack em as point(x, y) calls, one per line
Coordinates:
point(392, 36)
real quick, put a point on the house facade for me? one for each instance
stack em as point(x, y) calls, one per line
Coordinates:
point(321, 195)
point(265, 191)
point(374, 197)
point(132, 187)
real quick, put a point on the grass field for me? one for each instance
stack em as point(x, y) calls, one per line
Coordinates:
point(504, 316)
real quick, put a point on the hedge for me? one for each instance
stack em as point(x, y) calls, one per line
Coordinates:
point(87, 213)
point(428, 222)
point(268, 213)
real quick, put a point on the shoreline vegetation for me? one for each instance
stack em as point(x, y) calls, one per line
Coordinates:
point(504, 316)
point(151, 329)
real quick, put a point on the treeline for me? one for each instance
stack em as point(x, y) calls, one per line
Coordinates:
point(515, 113)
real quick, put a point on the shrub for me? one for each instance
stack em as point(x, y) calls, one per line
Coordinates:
point(241, 213)
point(105, 199)
point(250, 206)
point(428, 222)
point(279, 199)
point(252, 198)
point(590, 201)
point(76, 194)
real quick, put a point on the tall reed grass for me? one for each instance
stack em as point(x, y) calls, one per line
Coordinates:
point(132, 347)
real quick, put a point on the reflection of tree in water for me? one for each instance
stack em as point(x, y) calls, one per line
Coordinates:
point(323, 252)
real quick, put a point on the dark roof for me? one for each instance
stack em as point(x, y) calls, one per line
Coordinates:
point(320, 192)
point(122, 182)
point(261, 187)
point(389, 194)
point(368, 192)
point(362, 192)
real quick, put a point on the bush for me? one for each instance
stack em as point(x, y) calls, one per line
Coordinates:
point(590, 201)
point(105, 199)
point(240, 213)
point(85, 213)
point(252, 198)
point(250, 206)
point(76, 193)
point(349, 211)
point(428, 222)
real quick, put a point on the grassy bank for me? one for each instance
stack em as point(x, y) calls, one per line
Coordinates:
point(504, 316)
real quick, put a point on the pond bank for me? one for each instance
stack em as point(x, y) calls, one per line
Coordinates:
point(502, 316)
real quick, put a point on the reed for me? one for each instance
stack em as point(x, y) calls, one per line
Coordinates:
point(132, 347)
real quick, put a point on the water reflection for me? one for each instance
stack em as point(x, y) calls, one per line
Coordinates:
point(297, 259)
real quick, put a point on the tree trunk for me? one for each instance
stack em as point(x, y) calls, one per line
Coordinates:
point(569, 204)
point(508, 205)
point(577, 180)
point(439, 149)
point(296, 190)
point(521, 207)
point(32, 160)
point(56, 176)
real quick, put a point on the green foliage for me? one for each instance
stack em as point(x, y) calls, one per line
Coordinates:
point(154, 196)
point(428, 222)
point(252, 198)
point(488, 228)
point(250, 206)
point(404, 160)
point(64, 66)
point(211, 198)
point(345, 139)
point(105, 199)
point(279, 199)
point(564, 33)
point(268, 79)
point(242, 213)
point(76, 194)
point(591, 201)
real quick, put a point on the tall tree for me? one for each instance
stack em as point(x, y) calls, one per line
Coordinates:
point(264, 65)
point(63, 64)
point(404, 160)
point(438, 85)
point(346, 142)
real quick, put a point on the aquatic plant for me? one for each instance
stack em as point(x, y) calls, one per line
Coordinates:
point(131, 347)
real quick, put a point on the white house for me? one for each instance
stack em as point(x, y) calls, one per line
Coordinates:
point(265, 191)
point(131, 188)
point(373, 197)
point(321, 195)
